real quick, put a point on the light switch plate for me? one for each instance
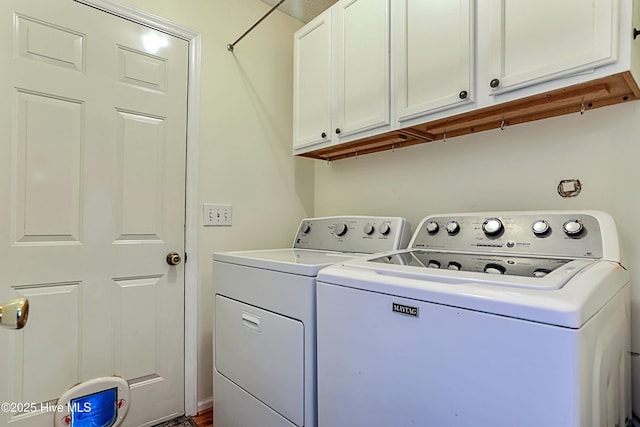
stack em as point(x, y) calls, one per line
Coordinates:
point(215, 214)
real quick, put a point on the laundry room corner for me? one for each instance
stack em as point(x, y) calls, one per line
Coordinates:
point(518, 168)
point(245, 140)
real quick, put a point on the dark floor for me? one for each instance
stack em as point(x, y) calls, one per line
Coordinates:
point(178, 422)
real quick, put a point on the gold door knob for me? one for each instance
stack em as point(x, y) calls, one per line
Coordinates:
point(173, 258)
point(14, 313)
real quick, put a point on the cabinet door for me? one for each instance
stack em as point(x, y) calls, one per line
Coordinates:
point(362, 67)
point(312, 83)
point(434, 55)
point(536, 41)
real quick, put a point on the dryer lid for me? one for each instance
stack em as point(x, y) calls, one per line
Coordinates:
point(303, 262)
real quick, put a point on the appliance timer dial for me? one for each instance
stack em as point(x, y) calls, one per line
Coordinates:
point(340, 229)
point(492, 226)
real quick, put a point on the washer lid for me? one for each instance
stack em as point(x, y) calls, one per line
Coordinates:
point(304, 262)
point(497, 265)
point(478, 269)
point(568, 296)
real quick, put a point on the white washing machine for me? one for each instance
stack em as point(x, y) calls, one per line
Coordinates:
point(488, 319)
point(264, 344)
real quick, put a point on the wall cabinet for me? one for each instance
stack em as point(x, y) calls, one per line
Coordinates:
point(434, 56)
point(531, 42)
point(464, 66)
point(342, 65)
point(312, 84)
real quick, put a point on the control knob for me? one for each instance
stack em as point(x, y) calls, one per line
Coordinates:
point(432, 227)
point(492, 226)
point(368, 229)
point(540, 227)
point(454, 266)
point(494, 269)
point(385, 229)
point(573, 227)
point(305, 228)
point(340, 229)
point(452, 227)
point(541, 272)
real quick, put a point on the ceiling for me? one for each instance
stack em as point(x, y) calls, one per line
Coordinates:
point(303, 10)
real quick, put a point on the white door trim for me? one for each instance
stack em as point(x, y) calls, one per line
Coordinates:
point(191, 203)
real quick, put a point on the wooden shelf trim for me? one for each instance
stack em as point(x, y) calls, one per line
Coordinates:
point(598, 93)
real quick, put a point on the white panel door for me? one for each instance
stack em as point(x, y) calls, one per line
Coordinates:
point(536, 41)
point(434, 55)
point(92, 177)
point(361, 80)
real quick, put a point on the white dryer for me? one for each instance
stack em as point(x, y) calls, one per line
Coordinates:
point(264, 343)
point(488, 319)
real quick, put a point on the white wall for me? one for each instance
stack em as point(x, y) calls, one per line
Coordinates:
point(245, 137)
point(515, 169)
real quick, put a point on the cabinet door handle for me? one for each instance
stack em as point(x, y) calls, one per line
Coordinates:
point(338, 130)
point(494, 83)
point(323, 134)
point(463, 94)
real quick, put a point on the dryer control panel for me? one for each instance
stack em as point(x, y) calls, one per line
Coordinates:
point(357, 234)
point(546, 233)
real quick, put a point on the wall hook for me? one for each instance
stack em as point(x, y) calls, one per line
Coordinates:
point(393, 148)
point(502, 125)
point(444, 136)
point(582, 106)
point(328, 160)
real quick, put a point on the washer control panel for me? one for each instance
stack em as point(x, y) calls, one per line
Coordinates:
point(550, 233)
point(359, 234)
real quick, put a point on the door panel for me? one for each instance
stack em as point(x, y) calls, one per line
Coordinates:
point(312, 83)
point(529, 45)
point(433, 82)
point(41, 41)
point(47, 175)
point(262, 352)
point(361, 29)
point(91, 201)
point(57, 308)
point(140, 170)
point(136, 332)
